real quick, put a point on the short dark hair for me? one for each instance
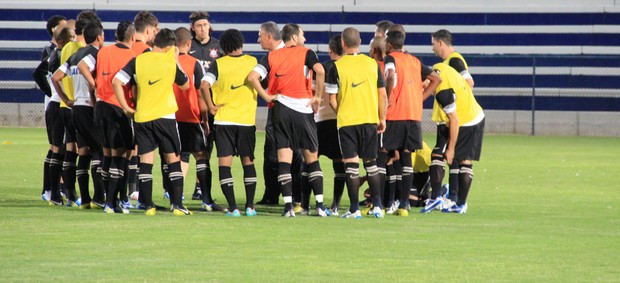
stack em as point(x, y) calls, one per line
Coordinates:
point(384, 25)
point(396, 39)
point(397, 28)
point(335, 45)
point(164, 38)
point(124, 30)
point(183, 35)
point(351, 37)
point(84, 18)
point(144, 19)
point(289, 30)
point(52, 22)
point(443, 35)
point(231, 40)
point(91, 31)
point(271, 27)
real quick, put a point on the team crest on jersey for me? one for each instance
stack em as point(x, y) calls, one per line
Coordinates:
point(213, 53)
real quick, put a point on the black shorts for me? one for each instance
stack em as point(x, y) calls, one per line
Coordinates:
point(403, 135)
point(162, 133)
point(359, 140)
point(88, 134)
point(54, 125)
point(293, 129)
point(443, 135)
point(192, 137)
point(116, 128)
point(327, 132)
point(235, 140)
point(67, 122)
point(469, 142)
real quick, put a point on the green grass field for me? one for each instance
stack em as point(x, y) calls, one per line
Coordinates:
point(540, 209)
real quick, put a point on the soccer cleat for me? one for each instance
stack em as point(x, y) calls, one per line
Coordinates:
point(108, 210)
point(150, 211)
point(392, 209)
point(134, 196)
point(46, 196)
point(181, 211)
point(73, 203)
point(367, 210)
point(356, 215)
point(322, 212)
point(297, 208)
point(402, 212)
point(126, 205)
point(447, 204)
point(335, 212)
point(210, 207)
point(303, 212)
point(431, 205)
point(85, 206)
point(288, 213)
point(377, 212)
point(197, 195)
point(55, 202)
point(460, 209)
point(94, 204)
point(250, 211)
point(234, 213)
point(445, 189)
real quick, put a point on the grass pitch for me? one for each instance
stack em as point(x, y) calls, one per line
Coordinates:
point(540, 209)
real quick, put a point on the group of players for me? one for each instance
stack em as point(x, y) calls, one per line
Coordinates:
point(182, 91)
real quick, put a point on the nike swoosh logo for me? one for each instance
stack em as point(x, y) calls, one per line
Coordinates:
point(192, 52)
point(280, 75)
point(357, 84)
point(105, 74)
point(233, 87)
point(285, 182)
point(154, 82)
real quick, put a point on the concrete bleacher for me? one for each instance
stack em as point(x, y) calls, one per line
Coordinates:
point(572, 46)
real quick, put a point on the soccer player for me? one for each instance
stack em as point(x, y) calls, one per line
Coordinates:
point(404, 76)
point(80, 67)
point(193, 136)
point(40, 76)
point(154, 73)
point(53, 121)
point(117, 129)
point(460, 141)
point(293, 120)
point(327, 131)
point(71, 151)
point(441, 41)
point(206, 49)
point(147, 26)
point(234, 106)
point(381, 28)
point(357, 94)
point(270, 39)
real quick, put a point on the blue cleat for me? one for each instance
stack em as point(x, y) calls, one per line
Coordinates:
point(431, 205)
point(355, 215)
point(250, 211)
point(126, 204)
point(460, 209)
point(235, 213)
